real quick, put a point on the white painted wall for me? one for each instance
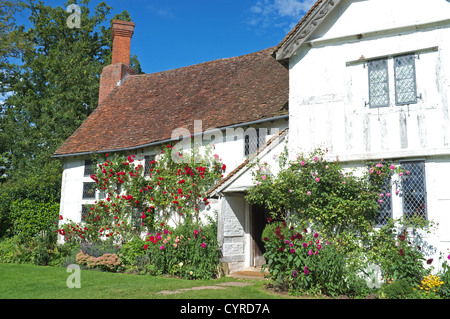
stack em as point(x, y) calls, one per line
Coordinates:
point(329, 91)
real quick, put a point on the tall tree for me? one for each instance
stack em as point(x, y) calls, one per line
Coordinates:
point(55, 85)
point(50, 72)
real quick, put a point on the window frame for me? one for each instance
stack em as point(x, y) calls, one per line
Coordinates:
point(251, 139)
point(391, 62)
point(88, 167)
point(424, 177)
point(370, 66)
point(396, 81)
point(85, 191)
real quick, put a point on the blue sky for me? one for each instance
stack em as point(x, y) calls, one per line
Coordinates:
point(176, 33)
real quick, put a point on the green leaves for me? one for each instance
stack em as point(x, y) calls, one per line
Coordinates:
point(55, 85)
point(318, 191)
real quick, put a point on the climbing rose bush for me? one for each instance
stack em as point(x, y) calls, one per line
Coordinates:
point(314, 191)
point(134, 203)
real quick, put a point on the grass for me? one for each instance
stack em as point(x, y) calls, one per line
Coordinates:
point(20, 281)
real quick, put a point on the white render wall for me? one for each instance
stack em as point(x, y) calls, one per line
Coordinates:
point(329, 91)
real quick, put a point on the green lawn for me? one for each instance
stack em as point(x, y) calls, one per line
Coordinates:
point(19, 281)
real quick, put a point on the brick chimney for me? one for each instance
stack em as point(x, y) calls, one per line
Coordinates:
point(122, 31)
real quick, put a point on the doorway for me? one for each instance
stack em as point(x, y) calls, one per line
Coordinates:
point(259, 217)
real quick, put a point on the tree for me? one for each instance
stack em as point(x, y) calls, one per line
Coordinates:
point(55, 86)
point(51, 74)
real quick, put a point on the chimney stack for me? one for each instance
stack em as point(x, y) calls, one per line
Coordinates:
point(122, 31)
point(119, 68)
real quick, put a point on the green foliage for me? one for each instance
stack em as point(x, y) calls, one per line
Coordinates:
point(54, 85)
point(190, 251)
point(171, 189)
point(399, 289)
point(391, 248)
point(444, 274)
point(30, 218)
point(306, 262)
point(132, 251)
point(318, 192)
point(39, 250)
point(38, 186)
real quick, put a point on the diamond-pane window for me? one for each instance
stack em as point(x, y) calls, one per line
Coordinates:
point(88, 169)
point(405, 80)
point(378, 83)
point(414, 190)
point(253, 140)
point(136, 213)
point(147, 165)
point(85, 209)
point(384, 204)
point(88, 190)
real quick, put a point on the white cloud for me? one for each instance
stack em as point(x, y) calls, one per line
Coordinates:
point(278, 13)
point(292, 8)
point(165, 12)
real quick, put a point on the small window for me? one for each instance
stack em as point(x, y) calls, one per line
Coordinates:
point(88, 190)
point(85, 209)
point(384, 204)
point(405, 86)
point(405, 80)
point(88, 168)
point(148, 163)
point(136, 213)
point(253, 140)
point(414, 190)
point(378, 83)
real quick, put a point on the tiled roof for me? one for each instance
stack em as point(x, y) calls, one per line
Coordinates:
point(145, 109)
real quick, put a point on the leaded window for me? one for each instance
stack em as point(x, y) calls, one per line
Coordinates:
point(85, 210)
point(378, 83)
point(88, 168)
point(405, 80)
point(148, 163)
point(88, 190)
point(136, 213)
point(253, 140)
point(384, 204)
point(414, 190)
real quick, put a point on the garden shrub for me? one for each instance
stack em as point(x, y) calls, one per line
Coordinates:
point(39, 250)
point(189, 251)
point(444, 276)
point(311, 189)
point(29, 218)
point(106, 262)
point(133, 253)
point(399, 289)
point(396, 253)
point(306, 262)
